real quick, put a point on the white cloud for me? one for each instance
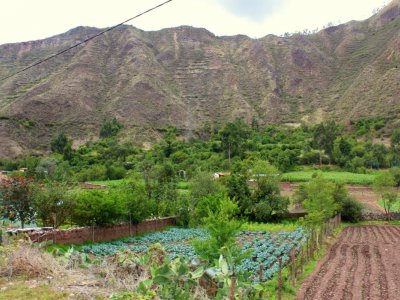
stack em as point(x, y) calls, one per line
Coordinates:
point(23, 20)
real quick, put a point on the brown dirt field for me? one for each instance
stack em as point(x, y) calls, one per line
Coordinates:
point(362, 264)
point(365, 195)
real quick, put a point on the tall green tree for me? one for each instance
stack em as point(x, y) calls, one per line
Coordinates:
point(384, 184)
point(233, 137)
point(320, 203)
point(62, 145)
point(267, 202)
point(53, 203)
point(17, 199)
point(324, 136)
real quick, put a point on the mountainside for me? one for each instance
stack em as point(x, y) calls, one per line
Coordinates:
point(187, 76)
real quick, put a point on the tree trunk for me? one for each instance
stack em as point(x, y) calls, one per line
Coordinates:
point(320, 158)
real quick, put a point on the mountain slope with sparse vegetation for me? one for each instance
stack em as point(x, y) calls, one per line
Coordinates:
point(188, 77)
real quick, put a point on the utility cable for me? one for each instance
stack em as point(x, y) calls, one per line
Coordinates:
point(84, 41)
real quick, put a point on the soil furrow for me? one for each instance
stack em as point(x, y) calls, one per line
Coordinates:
point(366, 281)
point(372, 230)
point(394, 232)
point(349, 283)
point(331, 290)
point(389, 234)
point(381, 274)
point(319, 276)
point(364, 263)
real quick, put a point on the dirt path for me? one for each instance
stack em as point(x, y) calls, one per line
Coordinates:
point(362, 264)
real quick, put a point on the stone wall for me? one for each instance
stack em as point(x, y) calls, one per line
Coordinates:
point(380, 216)
point(100, 233)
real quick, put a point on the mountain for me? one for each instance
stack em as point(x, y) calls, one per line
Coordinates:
point(188, 76)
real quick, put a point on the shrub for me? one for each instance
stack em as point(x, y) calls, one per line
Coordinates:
point(97, 207)
point(351, 210)
point(93, 173)
point(222, 226)
point(115, 171)
point(22, 258)
point(53, 204)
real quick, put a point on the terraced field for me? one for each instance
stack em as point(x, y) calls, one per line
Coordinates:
point(362, 264)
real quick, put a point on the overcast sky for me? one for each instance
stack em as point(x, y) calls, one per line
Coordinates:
point(23, 20)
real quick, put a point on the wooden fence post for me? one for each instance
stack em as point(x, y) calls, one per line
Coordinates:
point(293, 267)
point(280, 278)
point(312, 243)
point(232, 288)
point(321, 237)
point(302, 259)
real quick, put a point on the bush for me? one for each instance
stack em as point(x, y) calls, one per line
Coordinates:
point(351, 210)
point(97, 207)
point(115, 171)
point(22, 258)
point(53, 204)
point(95, 172)
point(222, 226)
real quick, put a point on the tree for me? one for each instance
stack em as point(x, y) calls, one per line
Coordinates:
point(342, 151)
point(396, 175)
point(395, 139)
point(324, 136)
point(383, 184)
point(61, 144)
point(97, 207)
point(267, 203)
point(238, 190)
point(203, 185)
point(233, 136)
point(53, 203)
point(110, 128)
point(17, 198)
point(320, 203)
point(222, 225)
point(389, 199)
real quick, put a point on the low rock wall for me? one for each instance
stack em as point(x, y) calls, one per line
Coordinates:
point(380, 216)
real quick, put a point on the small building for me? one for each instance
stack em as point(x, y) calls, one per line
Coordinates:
point(220, 174)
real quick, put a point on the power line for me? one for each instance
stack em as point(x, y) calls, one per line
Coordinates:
point(85, 41)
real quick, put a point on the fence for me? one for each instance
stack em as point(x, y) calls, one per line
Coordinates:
point(298, 258)
point(99, 233)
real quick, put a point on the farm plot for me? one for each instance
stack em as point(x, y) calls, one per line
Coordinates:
point(263, 248)
point(362, 264)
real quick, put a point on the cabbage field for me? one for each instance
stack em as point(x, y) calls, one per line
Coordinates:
point(262, 248)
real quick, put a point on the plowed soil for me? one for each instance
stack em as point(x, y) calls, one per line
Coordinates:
point(364, 263)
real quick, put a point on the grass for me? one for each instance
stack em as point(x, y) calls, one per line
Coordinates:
point(345, 177)
point(20, 290)
point(395, 207)
point(271, 227)
point(116, 182)
point(183, 185)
